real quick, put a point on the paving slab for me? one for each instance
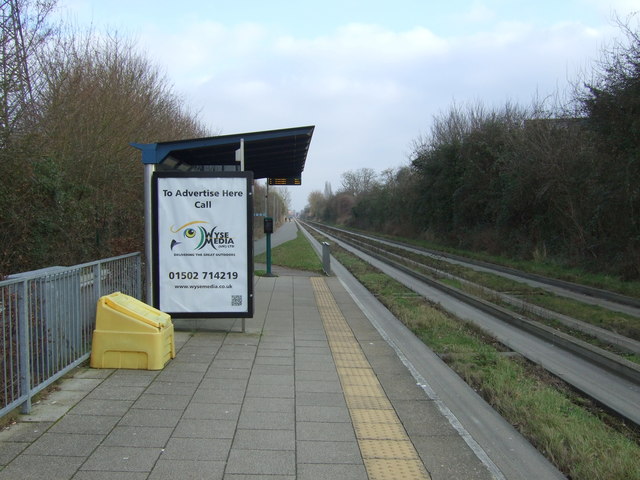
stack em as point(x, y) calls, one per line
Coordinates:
point(111, 392)
point(217, 395)
point(262, 462)
point(328, 452)
point(318, 471)
point(96, 475)
point(122, 459)
point(197, 449)
point(151, 418)
point(85, 424)
point(325, 431)
point(267, 420)
point(10, 450)
point(257, 404)
point(188, 470)
point(135, 436)
point(94, 406)
point(37, 467)
point(22, 431)
point(256, 439)
point(199, 428)
point(64, 444)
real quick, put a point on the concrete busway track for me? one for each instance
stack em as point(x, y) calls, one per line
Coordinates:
point(609, 337)
point(547, 348)
point(608, 360)
point(582, 293)
point(506, 453)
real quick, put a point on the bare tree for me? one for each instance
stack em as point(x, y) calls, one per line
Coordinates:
point(357, 182)
point(317, 204)
point(285, 195)
point(102, 95)
point(76, 166)
point(23, 33)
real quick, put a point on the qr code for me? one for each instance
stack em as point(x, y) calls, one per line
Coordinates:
point(236, 300)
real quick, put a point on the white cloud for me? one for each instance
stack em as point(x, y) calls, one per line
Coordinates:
point(356, 45)
point(370, 89)
point(612, 7)
point(478, 13)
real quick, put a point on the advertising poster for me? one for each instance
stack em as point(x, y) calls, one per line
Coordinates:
point(203, 262)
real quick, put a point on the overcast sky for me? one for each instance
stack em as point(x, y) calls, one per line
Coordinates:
point(370, 75)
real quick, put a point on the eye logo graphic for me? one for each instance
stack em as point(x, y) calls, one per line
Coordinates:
point(193, 236)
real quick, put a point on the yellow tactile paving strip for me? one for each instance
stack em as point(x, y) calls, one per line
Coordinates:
point(386, 449)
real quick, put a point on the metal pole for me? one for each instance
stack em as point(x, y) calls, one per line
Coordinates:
point(149, 168)
point(24, 346)
point(268, 254)
point(268, 235)
point(240, 155)
point(240, 158)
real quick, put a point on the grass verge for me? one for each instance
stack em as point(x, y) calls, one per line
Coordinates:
point(297, 254)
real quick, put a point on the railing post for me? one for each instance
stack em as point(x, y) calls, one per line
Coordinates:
point(24, 346)
point(138, 267)
point(326, 258)
point(97, 281)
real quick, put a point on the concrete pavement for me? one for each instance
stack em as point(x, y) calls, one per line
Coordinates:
point(309, 391)
point(286, 232)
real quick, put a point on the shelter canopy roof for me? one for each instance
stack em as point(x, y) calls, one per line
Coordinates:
point(269, 154)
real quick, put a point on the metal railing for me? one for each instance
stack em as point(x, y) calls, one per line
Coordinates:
point(47, 318)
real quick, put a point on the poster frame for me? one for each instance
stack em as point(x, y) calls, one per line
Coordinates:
point(156, 257)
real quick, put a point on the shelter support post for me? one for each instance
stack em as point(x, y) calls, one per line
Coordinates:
point(268, 230)
point(149, 168)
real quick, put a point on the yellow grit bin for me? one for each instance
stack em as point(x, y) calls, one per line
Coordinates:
point(131, 334)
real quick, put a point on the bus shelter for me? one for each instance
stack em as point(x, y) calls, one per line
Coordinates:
point(199, 216)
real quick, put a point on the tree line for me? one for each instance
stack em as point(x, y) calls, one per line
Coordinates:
point(71, 102)
point(557, 181)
